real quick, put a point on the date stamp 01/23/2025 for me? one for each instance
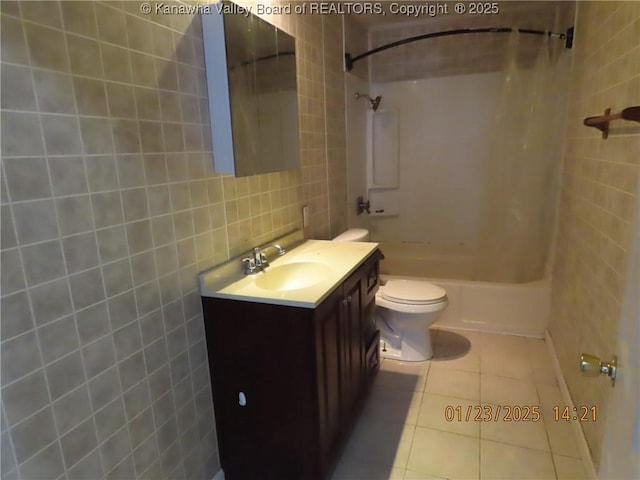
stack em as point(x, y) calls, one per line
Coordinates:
point(517, 413)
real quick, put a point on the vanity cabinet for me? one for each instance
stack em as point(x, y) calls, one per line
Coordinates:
point(288, 382)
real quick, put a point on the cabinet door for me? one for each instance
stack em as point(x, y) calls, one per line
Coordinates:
point(328, 326)
point(262, 375)
point(351, 343)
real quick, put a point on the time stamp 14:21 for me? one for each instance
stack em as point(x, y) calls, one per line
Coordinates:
point(517, 413)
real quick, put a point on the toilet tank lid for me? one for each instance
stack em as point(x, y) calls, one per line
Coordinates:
point(353, 235)
point(413, 291)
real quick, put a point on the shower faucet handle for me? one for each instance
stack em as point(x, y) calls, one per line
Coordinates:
point(363, 206)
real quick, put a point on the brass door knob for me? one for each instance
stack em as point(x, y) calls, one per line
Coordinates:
point(592, 366)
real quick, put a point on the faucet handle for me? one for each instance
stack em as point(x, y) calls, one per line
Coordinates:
point(259, 257)
point(250, 266)
point(363, 206)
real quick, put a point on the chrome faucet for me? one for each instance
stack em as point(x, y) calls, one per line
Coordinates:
point(279, 249)
point(259, 257)
point(259, 260)
point(250, 266)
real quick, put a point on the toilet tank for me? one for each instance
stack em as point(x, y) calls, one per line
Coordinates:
point(353, 235)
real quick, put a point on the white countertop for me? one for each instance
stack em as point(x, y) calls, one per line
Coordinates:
point(340, 259)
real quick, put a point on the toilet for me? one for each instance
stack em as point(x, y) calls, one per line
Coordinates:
point(353, 235)
point(404, 311)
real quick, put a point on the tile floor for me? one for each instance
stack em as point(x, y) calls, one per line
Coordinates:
point(403, 433)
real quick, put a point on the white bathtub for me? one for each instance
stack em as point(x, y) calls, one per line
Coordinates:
point(518, 309)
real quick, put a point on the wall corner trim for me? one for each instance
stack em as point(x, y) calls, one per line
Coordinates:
point(566, 396)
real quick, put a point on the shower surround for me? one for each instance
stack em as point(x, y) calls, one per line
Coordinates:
point(479, 147)
point(478, 161)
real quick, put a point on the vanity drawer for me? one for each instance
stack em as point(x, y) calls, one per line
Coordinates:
point(371, 277)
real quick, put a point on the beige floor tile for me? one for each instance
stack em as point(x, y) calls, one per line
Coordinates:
point(403, 432)
point(410, 475)
point(389, 444)
point(457, 350)
point(569, 468)
point(550, 397)
point(453, 383)
point(541, 363)
point(493, 341)
point(434, 412)
point(444, 454)
point(507, 391)
point(392, 406)
point(506, 363)
point(403, 375)
point(537, 347)
point(528, 434)
point(543, 372)
point(507, 462)
point(352, 469)
point(468, 362)
point(562, 438)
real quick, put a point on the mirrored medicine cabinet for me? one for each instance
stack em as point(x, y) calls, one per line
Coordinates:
point(253, 100)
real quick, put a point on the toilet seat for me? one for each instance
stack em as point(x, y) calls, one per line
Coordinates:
point(404, 311)
point(412, 292)
point(411, 296)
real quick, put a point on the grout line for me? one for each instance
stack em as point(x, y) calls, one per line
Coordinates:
point(9, 438)
point(49, 406)
point(98, 39)
point(109, 319)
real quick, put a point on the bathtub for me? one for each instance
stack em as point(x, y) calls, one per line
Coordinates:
point(512, 308)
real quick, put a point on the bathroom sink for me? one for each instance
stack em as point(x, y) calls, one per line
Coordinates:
point(303, 277)
point(292, 276)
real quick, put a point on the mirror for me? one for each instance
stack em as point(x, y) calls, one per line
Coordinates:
point(253, 100)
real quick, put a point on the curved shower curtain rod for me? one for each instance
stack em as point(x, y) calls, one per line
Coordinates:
point(567, 37)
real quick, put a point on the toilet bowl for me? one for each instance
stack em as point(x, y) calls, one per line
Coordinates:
point(404, 311)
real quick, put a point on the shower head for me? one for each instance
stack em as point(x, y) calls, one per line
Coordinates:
point(375, 102)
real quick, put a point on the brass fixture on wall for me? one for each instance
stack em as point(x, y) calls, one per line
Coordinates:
point(592, 366)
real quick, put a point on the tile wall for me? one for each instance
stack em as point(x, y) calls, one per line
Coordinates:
point(356, 42)
point(335, 125)
point(598, 201)
point(110, 208)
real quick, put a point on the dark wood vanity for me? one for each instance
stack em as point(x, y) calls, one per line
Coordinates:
point(288, 382)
